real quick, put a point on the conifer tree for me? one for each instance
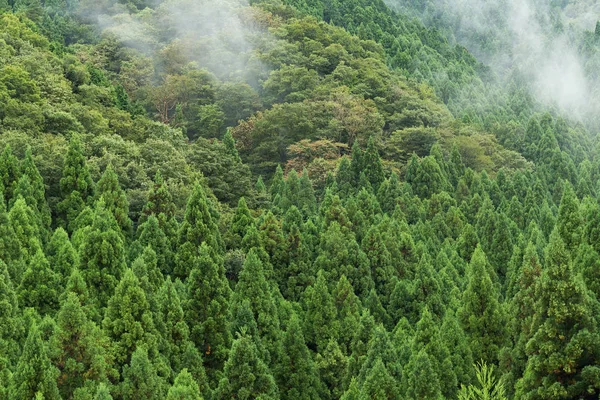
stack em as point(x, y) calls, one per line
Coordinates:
point(320, 322)
point(229, 143)
point(254, 287)
point(128, 319)
point(245, 375)
point(372, 166)
point(22, 221)
point(197, 227)
point(428, 337)
point(10, 328)
point(569, 221)
point(115, 199)
point(423, 381)
point(10, 172)
point(379, 384)
point(348, 312)
point(296, 373)
point(151, 234)
point(81, 351)
point(103, 393)
point(481, 314)
point(34, 376)
point(160, 204)
point(141, 379)
point(184, 388)
point(207, 310)
point(562, 353)
point(76, 184)
point(240, 223)
point(9, 245)
point(61, 254)
point(102, 254)
point(29, 169)
point(40, 286)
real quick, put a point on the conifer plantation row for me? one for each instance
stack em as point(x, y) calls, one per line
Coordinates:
point(321, 200)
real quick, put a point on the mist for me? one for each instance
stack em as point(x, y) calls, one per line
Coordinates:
point(526, 37)
point(209, 33)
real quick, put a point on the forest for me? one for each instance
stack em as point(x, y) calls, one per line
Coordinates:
point(299, 199)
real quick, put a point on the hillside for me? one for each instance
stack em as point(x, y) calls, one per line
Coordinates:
point(291, 199)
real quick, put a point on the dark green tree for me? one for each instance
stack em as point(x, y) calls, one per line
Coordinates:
point(481, 314)
point(76, 184)
point(184, 388)
point(34, 376)
point(207, 310)
point(115, 199)
point(246, 376)
point(40, 286)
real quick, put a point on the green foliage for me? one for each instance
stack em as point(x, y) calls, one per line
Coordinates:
point(488, 386)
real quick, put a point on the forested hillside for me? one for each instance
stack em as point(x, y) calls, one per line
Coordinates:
point(291, 199)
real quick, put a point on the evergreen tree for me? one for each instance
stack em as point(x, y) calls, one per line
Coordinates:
point(481, 314)
point(151, 234)
point(372, 166)
point(140, 378)
point(29, 169)
point(115, 199)
point(10, 328)
point(61, 254)
point(246, 376)
point(10, 172)
point(254, 287)
point(40, 286)
point(562, 353)
point(197, 227)
point(81, 351)
point(569, 221)
point(229, 143)
point(34, 376)
point(320, 322)
point(207, 310)
point(379, 384)
point(184, 388)
point(76, 185)
point(128, 319)
point(297, 374)
point(423, 381)
point(102, 254)
point(240, 223)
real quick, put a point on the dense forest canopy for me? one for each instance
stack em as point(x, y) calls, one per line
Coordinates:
point(299, 199)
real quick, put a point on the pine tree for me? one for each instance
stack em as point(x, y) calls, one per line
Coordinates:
point(569, 221)
point(9, 245)
point(296, 373)
point(81, 351)
point(348, 312)
point(197, 227)
point(61, 254)
point(160, 204)
point(428, 337)
point(115, 199)
point(40, 286)
point(246, 376)
point(22, 221)
point(184, 388)
point(141, 379)
point(128, 319)
point(253, 286)
point(151, 234)
point(103, 393)
point(10, 327)
point(423, 381)
point(562, 353)
point(10, 172)
point(29, 169)
point(35, 376)
point(379, 384)
point(76, 184)
point(229, 143)
point(207, 310)
point(240, 223)
point(320, 322)
point(481, 314)
point(372, 166)
point(102, 255)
